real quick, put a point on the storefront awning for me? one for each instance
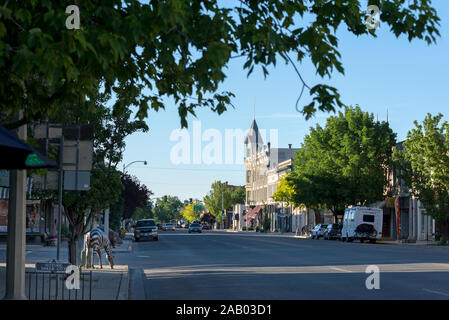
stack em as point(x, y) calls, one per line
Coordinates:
point(252, 213)
point(16, 154)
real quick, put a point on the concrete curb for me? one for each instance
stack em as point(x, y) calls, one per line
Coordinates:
point(431, 244)
point(136, 290)
point(123, 293)
point(275, 234)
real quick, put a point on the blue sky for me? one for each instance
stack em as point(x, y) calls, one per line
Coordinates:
point(408, 79)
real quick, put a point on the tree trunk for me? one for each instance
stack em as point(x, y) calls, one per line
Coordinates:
point(317, 216)
point(73, 250)
point(445, 229)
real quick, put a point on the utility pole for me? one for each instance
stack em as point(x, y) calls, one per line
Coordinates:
point(282, 219)
point(60, 188)
point(15, 252)
point(222, 206)
point(106, 222)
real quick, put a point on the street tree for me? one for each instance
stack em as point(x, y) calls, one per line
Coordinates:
point(285, 191)
point(189, 213)
point(424, 167)
point(221, 194)
point(343, 163)
point(110, 130)
point(147, 53)
point(80, 207)
point(146, 212)
point(135, 195)
point(168, 208)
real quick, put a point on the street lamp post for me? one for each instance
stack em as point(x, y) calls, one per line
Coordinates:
point(222, 206)
point(124, 167)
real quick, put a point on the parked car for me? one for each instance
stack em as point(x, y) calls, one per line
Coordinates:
point(170, 226)
point(204, 226)
point(362, 223)
point(146, 228)
point(318, 231)
point(160, 226)
point(185, 225)
point(195, 227)
point(333, 231)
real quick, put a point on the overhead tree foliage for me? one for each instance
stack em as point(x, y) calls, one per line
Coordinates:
point(424, 164)
point(111, 131)
point(177, 49)
point(110, 126)
point(343, 163)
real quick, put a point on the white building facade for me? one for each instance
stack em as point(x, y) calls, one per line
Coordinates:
point(265, 166)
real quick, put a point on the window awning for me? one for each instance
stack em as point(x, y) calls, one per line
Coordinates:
point(16, 154)
point(252, 213)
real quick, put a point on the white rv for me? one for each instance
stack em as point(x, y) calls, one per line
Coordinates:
point(362, 223)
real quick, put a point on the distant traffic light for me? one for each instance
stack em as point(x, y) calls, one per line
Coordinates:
point(165, 198)
point(191, 201)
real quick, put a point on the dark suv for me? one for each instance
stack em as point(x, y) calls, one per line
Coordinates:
point(333, 231)
point(146, 228)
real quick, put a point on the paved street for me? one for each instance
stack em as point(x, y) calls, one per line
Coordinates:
point(225, 265)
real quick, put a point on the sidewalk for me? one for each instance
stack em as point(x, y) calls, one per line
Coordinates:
point(293, 235)
point(271, 234)
point(125, 247)
point(417, 243)
point(107, 283)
